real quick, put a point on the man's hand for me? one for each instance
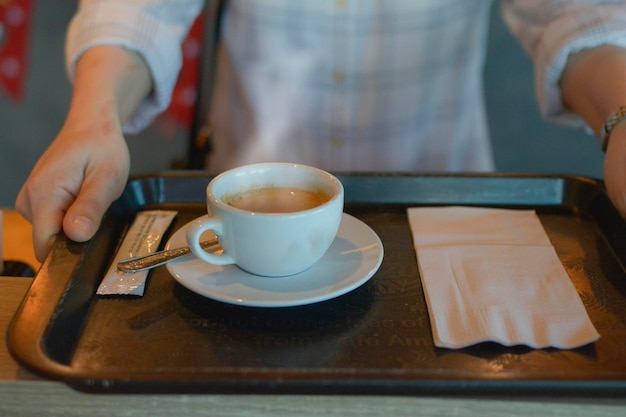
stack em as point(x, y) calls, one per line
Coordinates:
point(86, 167)
point(72, 186)
point(593, 85)
point(615, 168)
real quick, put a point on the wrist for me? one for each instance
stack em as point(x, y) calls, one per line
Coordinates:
point(616, 118)
point(111, 80)
point(618, 134)
point(593, 85)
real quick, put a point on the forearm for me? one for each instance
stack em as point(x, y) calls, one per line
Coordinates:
point(155, 29)
point(110, 83)
point(594, 84)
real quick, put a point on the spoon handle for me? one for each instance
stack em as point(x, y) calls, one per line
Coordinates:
point(141, 263)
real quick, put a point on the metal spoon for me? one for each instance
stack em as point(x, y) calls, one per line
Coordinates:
point(141, 263)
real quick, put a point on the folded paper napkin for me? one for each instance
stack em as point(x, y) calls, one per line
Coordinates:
point(493, 275)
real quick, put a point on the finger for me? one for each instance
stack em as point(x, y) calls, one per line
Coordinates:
point(46, 219)
point(84, 215)
point(45, 230)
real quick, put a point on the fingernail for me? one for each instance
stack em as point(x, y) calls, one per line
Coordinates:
point(83, 225)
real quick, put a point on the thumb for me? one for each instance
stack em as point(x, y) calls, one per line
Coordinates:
point(84, 216)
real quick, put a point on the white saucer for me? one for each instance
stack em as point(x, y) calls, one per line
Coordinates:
point(352, 259)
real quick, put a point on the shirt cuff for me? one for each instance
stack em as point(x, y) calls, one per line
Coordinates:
point(583, 32)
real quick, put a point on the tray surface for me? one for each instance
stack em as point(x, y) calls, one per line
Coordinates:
point(374, 339)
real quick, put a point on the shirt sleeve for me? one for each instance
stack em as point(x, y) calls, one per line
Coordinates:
point(153, 29)
point(551, 30)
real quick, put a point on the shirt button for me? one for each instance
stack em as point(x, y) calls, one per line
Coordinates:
point(338, 76)
point(340, 4)
point(336, 142)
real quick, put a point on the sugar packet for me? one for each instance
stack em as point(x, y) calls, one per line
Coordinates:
point(143, 238)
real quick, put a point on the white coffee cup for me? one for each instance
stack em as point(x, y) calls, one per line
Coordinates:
point(261, 240)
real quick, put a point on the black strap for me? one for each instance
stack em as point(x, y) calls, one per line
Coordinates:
point(201, 132)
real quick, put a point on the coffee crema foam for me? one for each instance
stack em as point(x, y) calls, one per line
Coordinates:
point(276, 199)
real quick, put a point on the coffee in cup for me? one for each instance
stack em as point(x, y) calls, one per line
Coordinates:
point(277, 199)
point(271, 219)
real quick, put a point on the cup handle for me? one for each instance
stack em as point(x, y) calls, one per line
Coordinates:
point(194, 233)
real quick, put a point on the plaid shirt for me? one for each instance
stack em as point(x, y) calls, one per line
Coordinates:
point(350, 85)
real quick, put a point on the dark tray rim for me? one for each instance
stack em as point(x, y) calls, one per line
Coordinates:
point(26, 330)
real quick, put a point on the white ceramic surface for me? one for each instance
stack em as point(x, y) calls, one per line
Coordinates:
point(352, 259)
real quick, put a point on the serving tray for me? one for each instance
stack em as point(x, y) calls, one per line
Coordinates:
point(374, 340)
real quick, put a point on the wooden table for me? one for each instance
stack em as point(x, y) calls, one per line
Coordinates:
point(17, 242)
point(25, 394)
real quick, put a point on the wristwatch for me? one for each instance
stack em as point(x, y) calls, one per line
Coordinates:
point(615, 118)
